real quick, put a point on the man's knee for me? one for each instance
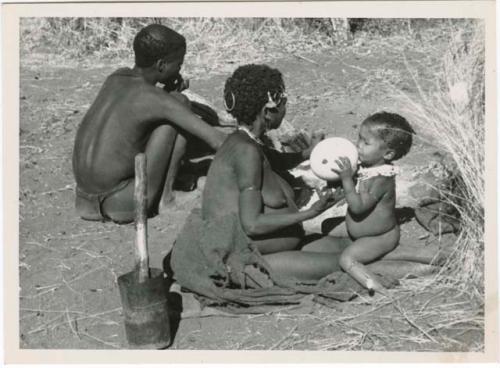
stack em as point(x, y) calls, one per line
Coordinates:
point(181, 98)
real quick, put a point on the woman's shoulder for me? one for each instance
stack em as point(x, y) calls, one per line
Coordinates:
point(243, 145)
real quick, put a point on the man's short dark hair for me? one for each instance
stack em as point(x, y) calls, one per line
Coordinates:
point(155, 42)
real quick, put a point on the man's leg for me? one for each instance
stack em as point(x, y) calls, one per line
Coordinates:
point(167, 196)
point(119, 206)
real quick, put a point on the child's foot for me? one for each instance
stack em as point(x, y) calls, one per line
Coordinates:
point(377, 296)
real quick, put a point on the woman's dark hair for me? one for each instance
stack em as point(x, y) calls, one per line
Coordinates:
point(394, 130)
point(247, 90)
point(155, 42)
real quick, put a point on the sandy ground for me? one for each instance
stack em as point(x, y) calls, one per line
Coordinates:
point(68, 267)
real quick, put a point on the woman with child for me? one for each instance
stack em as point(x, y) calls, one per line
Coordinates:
point(252, 207)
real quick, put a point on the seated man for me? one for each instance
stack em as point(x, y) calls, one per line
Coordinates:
point(132, 115)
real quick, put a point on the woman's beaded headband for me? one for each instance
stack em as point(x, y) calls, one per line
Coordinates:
point(273, 100)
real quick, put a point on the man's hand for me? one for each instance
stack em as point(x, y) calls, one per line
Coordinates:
point(316, 137)
point(298, 142)
point(305, 143)
point(345, 169)
point(176, 84)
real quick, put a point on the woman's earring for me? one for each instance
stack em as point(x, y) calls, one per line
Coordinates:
point(233, 102)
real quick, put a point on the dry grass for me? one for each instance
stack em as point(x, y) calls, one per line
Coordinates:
point(215, 45)
point(451, 115)
point(425, 314)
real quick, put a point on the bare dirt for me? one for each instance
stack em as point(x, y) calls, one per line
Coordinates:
point(68, 267)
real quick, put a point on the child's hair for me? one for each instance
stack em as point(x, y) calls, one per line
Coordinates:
point(394, 130)
point(248, 90)
point(155, 42)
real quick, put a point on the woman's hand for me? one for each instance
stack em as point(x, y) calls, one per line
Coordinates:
point(326, 200)
point(345, 169)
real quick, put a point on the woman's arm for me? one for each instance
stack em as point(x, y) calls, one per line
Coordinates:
point(249, 164)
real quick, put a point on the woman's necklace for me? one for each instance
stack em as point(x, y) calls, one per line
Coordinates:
point(251, 135)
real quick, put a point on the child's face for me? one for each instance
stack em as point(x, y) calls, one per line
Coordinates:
point(371, 148)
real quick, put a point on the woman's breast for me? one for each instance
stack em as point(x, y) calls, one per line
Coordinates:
point(276, 192)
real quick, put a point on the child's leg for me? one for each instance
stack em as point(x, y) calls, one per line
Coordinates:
point(366, 250)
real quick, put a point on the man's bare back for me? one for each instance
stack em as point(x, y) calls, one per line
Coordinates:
point(115, 129)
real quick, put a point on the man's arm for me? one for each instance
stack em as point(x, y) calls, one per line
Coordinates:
point(284, 160)
point(180, 115)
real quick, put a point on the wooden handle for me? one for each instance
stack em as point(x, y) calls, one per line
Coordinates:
point(141, 230)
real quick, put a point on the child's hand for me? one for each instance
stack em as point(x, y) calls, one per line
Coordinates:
point(326, 200)
point(345, 169)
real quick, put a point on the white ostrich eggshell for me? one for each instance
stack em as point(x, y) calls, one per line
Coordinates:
point(326, 152)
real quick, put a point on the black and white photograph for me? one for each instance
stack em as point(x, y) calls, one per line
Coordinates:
point(242, 183)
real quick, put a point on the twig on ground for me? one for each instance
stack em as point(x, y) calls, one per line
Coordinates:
point(306, 59)
point(116, 346)
point(284, 338)
point(67, 187)
point(73, 329)
point(350, 65)
point(412, 323)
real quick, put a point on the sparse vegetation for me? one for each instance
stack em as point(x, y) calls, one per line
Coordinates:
point(437, 79)
point(452, 115)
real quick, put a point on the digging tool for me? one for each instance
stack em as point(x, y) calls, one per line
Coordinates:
point(144, 290)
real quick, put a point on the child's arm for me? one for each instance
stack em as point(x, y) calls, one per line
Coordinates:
point(365, 200)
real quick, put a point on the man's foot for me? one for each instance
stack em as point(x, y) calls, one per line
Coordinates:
point(167, 202)
point(185, 182)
